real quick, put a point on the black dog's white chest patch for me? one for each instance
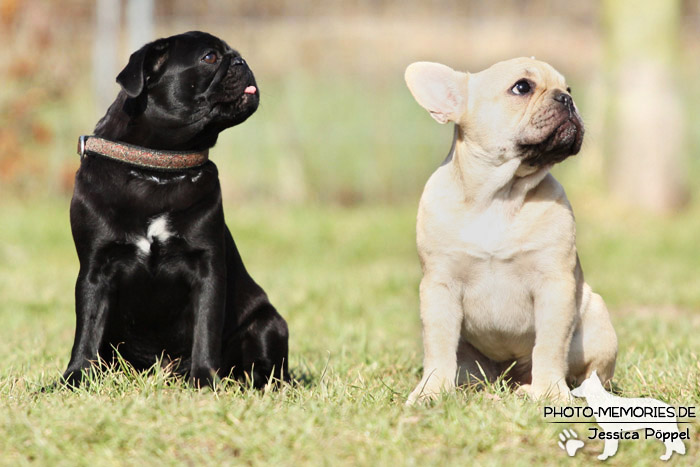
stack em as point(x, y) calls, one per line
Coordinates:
point(158, 230)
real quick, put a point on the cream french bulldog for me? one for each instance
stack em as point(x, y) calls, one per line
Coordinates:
point(502, 285)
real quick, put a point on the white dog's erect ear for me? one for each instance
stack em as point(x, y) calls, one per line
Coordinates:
point(438, 88)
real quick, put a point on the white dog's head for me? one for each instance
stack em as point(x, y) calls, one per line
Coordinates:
point(517, 108)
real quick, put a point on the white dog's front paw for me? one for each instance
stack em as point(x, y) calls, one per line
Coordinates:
point(525, 390)
point(430, 388)
point(556, 392)
point(560, 393)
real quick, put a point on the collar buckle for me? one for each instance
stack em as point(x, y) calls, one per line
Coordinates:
point(81, 145)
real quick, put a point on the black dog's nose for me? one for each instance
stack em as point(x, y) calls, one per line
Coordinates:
point(565, 99)
point(238, 61)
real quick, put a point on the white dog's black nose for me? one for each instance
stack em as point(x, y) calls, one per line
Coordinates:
point(565, 99)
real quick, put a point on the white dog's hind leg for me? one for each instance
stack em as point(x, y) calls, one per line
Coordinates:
point(594, 343)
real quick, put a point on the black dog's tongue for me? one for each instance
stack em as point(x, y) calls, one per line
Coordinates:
point(250, 90)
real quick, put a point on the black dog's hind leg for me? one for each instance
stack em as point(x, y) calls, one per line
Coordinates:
point(258, 350)
point(256, 337)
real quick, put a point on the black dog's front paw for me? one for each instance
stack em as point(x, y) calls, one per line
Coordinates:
point(201, 377)
point(71, 379)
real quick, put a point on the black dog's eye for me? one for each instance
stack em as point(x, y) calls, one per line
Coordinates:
point(210, 58)
point(521, 87)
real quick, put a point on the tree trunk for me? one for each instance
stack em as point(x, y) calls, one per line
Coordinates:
point(646, 126)
point(105, 65)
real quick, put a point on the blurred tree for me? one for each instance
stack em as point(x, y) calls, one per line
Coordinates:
point(139, 17)
point(139, 22)
point(107, 15)
point(8, 12)
point(647, 124)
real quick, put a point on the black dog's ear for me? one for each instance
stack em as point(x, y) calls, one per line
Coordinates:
point(143, 65)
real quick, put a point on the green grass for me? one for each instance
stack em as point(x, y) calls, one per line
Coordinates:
point(346, 280)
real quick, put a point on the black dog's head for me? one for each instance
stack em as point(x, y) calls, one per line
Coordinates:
point(179, 92)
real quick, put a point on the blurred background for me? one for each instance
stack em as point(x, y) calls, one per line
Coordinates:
point(338, 128)
point(336, 123)
point(321, 187)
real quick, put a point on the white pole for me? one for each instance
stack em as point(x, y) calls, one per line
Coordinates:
point(105, 61)
point(139, 21)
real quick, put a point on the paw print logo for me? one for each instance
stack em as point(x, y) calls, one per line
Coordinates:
point(570, 442)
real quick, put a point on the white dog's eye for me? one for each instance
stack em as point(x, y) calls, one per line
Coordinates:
point(210, 58)
point(521, 87)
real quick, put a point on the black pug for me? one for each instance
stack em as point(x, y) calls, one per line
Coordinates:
point(160, 275)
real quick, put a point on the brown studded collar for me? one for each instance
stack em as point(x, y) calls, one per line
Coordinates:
point(140, 156)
